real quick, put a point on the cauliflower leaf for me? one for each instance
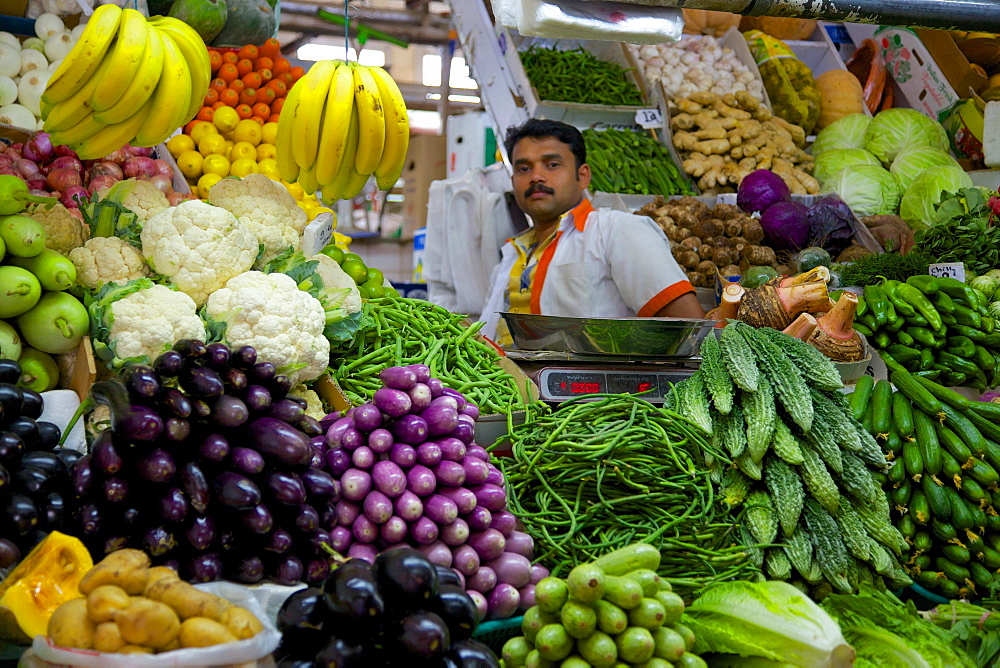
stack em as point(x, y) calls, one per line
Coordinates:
point(121, 210)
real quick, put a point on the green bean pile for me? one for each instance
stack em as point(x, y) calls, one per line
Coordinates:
point(577, 76)
point(397, 331)
point(593, 476)
point(632, 163)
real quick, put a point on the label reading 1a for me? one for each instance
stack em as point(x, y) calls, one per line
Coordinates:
point(948, 270)
point(649, 119)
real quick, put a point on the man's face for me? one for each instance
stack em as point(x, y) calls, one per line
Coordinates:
point(547, 182)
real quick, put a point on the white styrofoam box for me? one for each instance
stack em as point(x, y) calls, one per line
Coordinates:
point(466, 147)
point(985, 178)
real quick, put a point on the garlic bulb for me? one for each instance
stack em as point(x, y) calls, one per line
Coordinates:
point(696, 63)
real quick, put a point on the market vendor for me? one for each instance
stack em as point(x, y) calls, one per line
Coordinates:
point(576, 260)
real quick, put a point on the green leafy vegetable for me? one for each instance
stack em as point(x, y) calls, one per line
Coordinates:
point(846, 132)
point(894, 130)
point(868, 189)
point(927, 190)
point(972, 627)
point(962, 231)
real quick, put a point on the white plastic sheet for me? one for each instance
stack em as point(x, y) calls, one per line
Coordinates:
point(596, 20)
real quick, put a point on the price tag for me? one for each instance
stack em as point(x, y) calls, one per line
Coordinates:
point(318, 234)
point(948, 270)
point(649, 119)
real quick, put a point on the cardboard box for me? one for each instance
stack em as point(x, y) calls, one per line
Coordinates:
point(13, 7)
point(425, 162)
point(956, 67)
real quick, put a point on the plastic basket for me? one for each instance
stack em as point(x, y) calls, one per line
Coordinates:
point(922, 598)
point(495, 633)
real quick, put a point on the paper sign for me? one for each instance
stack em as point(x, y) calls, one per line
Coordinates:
point(649, 119)
point(947, 270)
point(318, 233)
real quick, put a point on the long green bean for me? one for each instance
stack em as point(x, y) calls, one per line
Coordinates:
point(598, 474)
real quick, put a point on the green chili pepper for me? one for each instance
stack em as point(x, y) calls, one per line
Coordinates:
point(926, 358)
point(971, 332)
point(926, 284)
point(961, 346)
point(968, 317)
point(890, 362)
point(881, 340)
point(922, 335)
point(891, 288)
point(904, 354)
point(917, 321)
point(956, 363)
point(878, 303)
point(958, 290)
point(988, 324)
point(942, 302)
point(919, 301)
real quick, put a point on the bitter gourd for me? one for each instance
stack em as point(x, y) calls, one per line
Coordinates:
point(761, 518)
point(741, 363)
point(789, 386)
point(818, 481)
point(799, 548)
point(818, 369)
point(785, 444)
point(777, 564)
point(785, 486)
point(717, 379)
point(760, 414)
point(831, 553)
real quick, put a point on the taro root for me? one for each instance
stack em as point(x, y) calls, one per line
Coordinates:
point(688, 259)
point(759, 255)
point(729, 270)
point(835, 336)
point(773, 306)
point(733, 228)
point(802, 327)
point(705, 252)
point(752, 231)
point(707, 267)
point(722, 256)
point(710, 227)
point(691, 243)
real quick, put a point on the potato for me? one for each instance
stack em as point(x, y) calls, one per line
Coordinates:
point(186, 600)
point(104, 601)
point(135, 649)
point(128, 569)
point(148, 623)
point(108, 637)
point(69, 625)
point(241, 622)
point(204, 632)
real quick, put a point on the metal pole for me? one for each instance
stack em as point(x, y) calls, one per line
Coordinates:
point(447, 51)
point(977, 15)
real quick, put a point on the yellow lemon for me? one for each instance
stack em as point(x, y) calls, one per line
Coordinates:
point(269, 133)
point(295, 190)
point(225, 119)
point(216, 164)
point(179, 144)
point(243, 150)
point(201, 129)
point(243, 167)
point(190, 164)
point(206, 182)
point(247, 130)
point(341, 239)
point(315, 211)
point(212, 145)
point(269, 168)
point(265, 151)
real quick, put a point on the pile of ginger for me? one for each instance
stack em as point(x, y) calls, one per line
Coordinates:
point(722, 138)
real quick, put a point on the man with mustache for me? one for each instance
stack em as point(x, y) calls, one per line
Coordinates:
point(576, 260)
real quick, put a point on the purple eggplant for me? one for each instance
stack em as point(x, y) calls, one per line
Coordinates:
point(243, 358)
point(377, 507)
point(421, 481)
point(490, 543)
point(287, 410)
point(262, 373)
point(11, 399)
point(503, 601)
point(520, 543)
point(364, 529)
point(440, 509)
point(421, 371)
point(105, 455)
point(495, 477)
point(363, 457)
point(280, 386)
point(420, 397)
point(201, 408)
point(317, 570)
point(280, 442)
point(355, 484)
point(483, 580)
point(11, 447)
point(452, 449)
point(403, 455)
point(479, 518)
point(307, 518)
point(142, 382)
point(32, 403)
point(214, 447)
point(318, 539)
point(279, 542)
point(347, 512)
point(367, 417)
point(455, 533)
point(228, 411)
point(490, 497)
point(538, 573)
point(218, 356)
point(471, 410)
point(458, 396)
point(410, 429)
point(9, 553)
point(257, 398)
point(236, 380)
point(513, 569)
point(441, 418)
point(191, 349)
point(169, 364)
point(424, 531)
point(157, 466)
point(247, 570)
point(435, 386)
point(463, 432)
point(116, 490)
point(437, 553)
point(389, 478)
point(380, 441)
point(258, 519)
point(478, 451)
point(88, 517)
point(364, 551)
point(173, 505)
point(247, 461)
point(200, 532)
point(505, 523)
point(309, 426)
point(206, 567)
point(350, 439)
point(328, 514)
point(27, 429)
point(320, 486)
point(398, 377)
point(392, 402)
point(31, 481)
point(463, 498)
point(338, 461)
point(341, 538)
point(235, 491)
point(176, 430)
point(429, 453)
point(482, 606)
point(394, 530)
point(158, 541)
point(449, 473)
point(476, 470)
point(202, 382)
point(286, 488)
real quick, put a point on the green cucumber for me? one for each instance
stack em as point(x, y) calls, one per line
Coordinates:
point(927, 441)
point(551, 594)
point(897, 473)
point(610, 618)
point(902, 415)
point(670, 645)
point(987, 409)
point(907, 527)
point(982, 472)
point(636, 645)
point(586, 582)
point(956, 554)
point(900, 496)
point(649, 614)
point(553, 642)
point(991, 558)
point(944, 531)
point(937, 499)
point(630, 558)
point(673, 605)
point(929, 579)
point(882, 408)
point(912, 460)
point(912, 386)
point(923, 541)
point(920, 509)
point(951, 470)
point(624, 593)
point(961, 515)
point(648, 579)
point(954, 444)
point(860, 397)
point(981, 576)
point(965, 429)
point(954, 572)
point(950, 589)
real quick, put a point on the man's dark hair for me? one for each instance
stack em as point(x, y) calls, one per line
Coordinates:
point(539, 127)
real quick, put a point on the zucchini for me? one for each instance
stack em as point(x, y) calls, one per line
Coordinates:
point(819, 482)
point(912, 461)
point(917, 393)
point(760, 414)
point(965, 429)
point(920, 511)
point(822, 374)
point(787, 494)
point(831, 553)
point(937, 499)
point(789, 385)
point(717, 379)
point(902, 415)
point(761, 518)
point(785, 444)
point(860, 397)
point(799, 549)
point(954, 572)
point(882, 408)
point(927, 441)
point(638, 556)
point(739, 359)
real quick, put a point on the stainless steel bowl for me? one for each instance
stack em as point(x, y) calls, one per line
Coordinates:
point(632, 337)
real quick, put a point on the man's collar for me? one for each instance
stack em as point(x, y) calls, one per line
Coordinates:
point(580, 213)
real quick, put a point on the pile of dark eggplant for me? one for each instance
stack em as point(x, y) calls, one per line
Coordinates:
point(401, 611)
point(34, 473)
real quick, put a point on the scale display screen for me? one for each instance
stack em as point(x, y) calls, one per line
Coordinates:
point(559, 384)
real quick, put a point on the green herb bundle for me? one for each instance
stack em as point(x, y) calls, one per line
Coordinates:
point(872, 269)
point(577, 75)
point(963, 231)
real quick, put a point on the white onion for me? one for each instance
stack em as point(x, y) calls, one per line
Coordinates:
point(48, 24)
point(8, 91)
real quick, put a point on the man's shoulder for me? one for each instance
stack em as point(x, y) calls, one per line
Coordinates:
point(606, 216)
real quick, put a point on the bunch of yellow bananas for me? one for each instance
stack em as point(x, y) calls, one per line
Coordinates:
point(341, 123)
point(129, 79)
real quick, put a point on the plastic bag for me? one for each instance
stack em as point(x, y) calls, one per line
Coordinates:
point(789, 82)
point(44, 655)
point(596, 20)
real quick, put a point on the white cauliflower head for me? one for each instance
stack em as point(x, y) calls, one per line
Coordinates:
point(284, 324)
point(141, 197)
point(314, 405)
point(63, 230)
point(267, 208)
point(340, 289)
point(198, 246)
point(141, 319)
point(107, 260)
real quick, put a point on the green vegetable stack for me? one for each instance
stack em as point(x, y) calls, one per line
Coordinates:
point(614, 611)
point(943, 480)
point(577, 75)
point(34, 280)
point(634, 163)
point(803, 464)
point(936, 327)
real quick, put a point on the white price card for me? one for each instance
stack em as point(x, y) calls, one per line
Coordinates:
point(649, 119)
point(318, 233)
point(948, 270)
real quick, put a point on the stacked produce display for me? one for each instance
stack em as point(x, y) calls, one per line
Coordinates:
point(632, 163)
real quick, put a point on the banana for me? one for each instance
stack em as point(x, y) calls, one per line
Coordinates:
point(142, 85)
point(64, 115)
point(171, 99)
point(125, 57)
point(336, 123)
point(287, 167)
point(337, 188)
point(196, 54)
point(355, 183)
point(83, 130)
point(112, 137)
point(397, 130)
point(307, 179)
point(86, 56)
point(371, 121)
point(309, 113)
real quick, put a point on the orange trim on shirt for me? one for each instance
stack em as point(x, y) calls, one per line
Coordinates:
point(540, 271)
point(580, 213)
point(664, 297)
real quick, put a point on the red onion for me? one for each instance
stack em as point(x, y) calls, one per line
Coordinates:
point(6, 161)
point(139, 151)
point(37, 184)
point(106, 168)
point(161, 182)
point(12, 153)
point(139, 167)
point(9, 171)
point(19, 146)
point(66, 162)
point(174, 198)
point(119, 156)
point(71, 197)
point(28, 168)
point(163, 167)
point(64, 151)
point(101, 182)
point(62, 179)
point(38, 148)
point(41, 193)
